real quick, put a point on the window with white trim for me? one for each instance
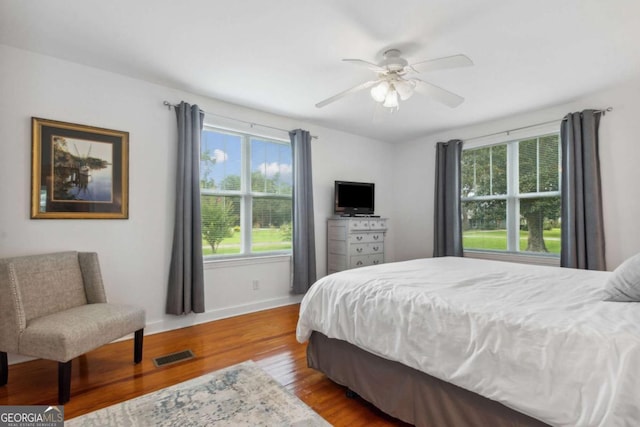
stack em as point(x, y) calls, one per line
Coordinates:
point(245, 188)
point(511, 196)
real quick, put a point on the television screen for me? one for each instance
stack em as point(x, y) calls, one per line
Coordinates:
point(353, 198)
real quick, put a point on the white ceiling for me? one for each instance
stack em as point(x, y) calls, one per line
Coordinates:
point(284, 56)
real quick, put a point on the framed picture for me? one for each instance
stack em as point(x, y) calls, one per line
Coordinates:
point(78, 171)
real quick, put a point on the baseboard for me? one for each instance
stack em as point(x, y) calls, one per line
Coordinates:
point(177, 322)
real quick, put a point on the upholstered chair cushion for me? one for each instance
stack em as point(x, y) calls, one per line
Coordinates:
point(70, 333)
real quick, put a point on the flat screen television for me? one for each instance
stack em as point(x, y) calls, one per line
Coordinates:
point(354, 198)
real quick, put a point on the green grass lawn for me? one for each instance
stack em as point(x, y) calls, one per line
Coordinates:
point(263, 239)
point(497, 240)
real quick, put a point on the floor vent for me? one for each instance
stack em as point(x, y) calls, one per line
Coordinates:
point(173, 358)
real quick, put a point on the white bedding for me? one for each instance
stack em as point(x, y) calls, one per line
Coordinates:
point(538, 339)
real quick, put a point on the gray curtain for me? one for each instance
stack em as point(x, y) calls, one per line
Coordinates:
point(186, 276)
point(447, 233)
point(582, 223)
point(304, 242)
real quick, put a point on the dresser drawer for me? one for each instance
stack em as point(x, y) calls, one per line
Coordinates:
point(377, 224)
point(366, 248)
point(365, 260)
point(358, 224)
point(366, 238)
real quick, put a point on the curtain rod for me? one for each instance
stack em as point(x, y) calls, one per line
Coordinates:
point(251, 124)
point(603, 111)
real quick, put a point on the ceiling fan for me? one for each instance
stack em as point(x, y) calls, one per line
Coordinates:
point(392, 81)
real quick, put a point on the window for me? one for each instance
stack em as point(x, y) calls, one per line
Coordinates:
point(511, 196)
point(245, 187)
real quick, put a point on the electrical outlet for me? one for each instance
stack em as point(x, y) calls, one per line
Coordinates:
point(256, 285)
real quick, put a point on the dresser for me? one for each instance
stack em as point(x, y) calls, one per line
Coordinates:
point(354, 242)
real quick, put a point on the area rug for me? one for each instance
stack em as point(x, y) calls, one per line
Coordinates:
point(240, 395)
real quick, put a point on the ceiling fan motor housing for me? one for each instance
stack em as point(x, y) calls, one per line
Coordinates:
point(393, 61)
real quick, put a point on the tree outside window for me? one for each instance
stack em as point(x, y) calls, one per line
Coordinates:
point(511, 196)
point(246, 202)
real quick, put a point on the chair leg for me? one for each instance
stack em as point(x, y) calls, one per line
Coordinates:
point(137, 346)
point(4, 368)
point(64, 382)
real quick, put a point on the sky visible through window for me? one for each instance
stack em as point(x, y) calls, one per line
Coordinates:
point(246, 201)
point(270, 159)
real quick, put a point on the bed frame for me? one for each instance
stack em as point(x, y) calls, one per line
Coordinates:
point(405, 393)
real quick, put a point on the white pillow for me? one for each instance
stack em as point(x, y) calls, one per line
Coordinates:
point(624, 283)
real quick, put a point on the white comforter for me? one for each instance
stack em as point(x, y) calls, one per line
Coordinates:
point(538, 339)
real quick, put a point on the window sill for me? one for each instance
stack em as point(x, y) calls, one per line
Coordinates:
point(212, 263)
point(524, 258)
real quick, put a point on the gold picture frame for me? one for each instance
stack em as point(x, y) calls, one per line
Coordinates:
point(78, 171)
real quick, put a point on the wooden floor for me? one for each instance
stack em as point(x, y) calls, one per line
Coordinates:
point(107, 375)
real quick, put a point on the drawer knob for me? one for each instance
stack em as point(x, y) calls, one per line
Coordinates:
point(376, 237)
point(376, 248)
point(375, 261)
point(359, 263)
point(358, 249)
point(358, 237)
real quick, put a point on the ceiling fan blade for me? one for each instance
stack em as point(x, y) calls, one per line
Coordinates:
point(454, 61)
point(354, 89)
point(369, 65)
point(441, 95)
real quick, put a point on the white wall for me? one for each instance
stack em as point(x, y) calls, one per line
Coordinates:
point(619, 155)
point(134, 253)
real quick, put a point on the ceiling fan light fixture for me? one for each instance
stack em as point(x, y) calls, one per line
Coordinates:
point(405, 88)
point(391, 100)
point(379, 92)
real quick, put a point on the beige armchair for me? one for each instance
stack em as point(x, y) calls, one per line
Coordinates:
point(54, 307)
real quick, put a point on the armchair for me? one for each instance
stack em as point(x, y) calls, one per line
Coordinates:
point(54, 307)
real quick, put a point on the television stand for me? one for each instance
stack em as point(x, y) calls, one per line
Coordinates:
point(359, 216)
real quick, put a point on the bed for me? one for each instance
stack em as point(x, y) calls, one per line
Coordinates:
point(457, 341)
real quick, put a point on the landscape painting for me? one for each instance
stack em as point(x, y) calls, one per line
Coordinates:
point(78, 171)
point(82, 170)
